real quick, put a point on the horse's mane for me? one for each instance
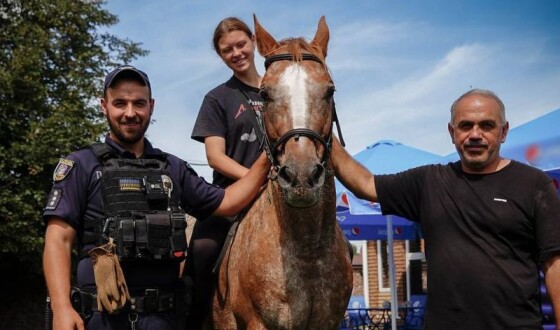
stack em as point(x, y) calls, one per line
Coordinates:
point(299, 46)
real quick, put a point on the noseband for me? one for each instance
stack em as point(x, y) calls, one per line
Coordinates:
point(272, 150)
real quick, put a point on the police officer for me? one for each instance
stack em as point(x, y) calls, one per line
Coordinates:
point(127, 193)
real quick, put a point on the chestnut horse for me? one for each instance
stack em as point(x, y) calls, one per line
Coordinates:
point(288, 265)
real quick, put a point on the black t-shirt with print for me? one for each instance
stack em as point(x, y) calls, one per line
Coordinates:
point(224, 113)
point(484, 235)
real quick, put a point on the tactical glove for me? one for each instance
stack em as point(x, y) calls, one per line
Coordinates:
point(112, 292)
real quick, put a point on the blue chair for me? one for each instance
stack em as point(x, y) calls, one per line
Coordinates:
point(415, 314)
point(547, 312)
point(357, 315)
point(357, 302)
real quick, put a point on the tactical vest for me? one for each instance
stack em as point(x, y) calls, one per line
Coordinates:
point(141, 215)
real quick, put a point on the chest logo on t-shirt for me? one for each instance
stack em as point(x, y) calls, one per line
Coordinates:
point(240, 110)
point(501, 200)
point(246, 137)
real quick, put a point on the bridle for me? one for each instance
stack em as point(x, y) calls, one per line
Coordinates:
point(272, 149)
point(289, 57)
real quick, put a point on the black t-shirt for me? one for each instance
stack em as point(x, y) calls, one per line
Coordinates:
point(224, 113)
point(485, 236)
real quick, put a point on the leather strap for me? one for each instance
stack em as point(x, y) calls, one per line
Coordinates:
point(151, 300)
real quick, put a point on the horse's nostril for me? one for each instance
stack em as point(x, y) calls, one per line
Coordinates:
point(286, 174)
point(317, 177)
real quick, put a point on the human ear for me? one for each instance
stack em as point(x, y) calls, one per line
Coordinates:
point(451, 132)
point(103, 106)
point(505, 130)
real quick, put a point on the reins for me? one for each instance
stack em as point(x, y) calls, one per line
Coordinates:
point(233, 230)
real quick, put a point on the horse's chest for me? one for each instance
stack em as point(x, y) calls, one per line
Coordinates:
point(300, 308)
point(288, 283)
point(299, 292)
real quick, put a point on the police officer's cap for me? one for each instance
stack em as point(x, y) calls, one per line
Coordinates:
point(110, 78)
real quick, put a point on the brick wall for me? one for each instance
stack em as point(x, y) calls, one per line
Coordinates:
point(376, 298)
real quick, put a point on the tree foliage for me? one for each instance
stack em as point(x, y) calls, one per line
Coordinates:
point(53, 56)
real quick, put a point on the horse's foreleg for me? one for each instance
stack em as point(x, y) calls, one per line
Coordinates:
point(223, 319)
point(255, 324)
point(222, 315)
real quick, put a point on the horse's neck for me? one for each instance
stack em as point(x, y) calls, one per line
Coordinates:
point(307, 228)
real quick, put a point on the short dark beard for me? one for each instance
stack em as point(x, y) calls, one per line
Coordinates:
point(129, 140)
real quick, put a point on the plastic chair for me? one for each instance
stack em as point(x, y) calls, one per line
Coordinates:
point(546, 306)
point(356, 314)
point(415, 315)
point(357, 302)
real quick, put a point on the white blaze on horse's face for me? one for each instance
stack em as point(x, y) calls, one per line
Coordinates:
point(293, 87)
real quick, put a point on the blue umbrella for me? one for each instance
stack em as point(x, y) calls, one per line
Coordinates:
point(542, 128)
point(536, 142)
point(358, 222)
point(363, 220)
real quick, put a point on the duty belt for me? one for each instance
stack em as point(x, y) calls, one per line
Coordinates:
point(149, 301)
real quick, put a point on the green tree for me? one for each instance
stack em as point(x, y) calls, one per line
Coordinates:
point(53, 56)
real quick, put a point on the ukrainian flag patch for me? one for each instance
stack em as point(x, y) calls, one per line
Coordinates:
point(130, 184)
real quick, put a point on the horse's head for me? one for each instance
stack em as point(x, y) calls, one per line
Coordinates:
point(298, 111)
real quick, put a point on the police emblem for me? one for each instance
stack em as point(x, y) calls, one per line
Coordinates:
point(62, 169)
point(167, 184)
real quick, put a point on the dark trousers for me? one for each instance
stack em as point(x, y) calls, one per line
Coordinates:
point(206, 243)
point(147, 321)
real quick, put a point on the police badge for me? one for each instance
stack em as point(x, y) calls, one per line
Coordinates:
point(62, 169)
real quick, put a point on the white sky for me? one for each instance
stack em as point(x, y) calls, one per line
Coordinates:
point(397, 65)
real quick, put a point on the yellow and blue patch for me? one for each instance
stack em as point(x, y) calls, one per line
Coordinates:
point(130, 184)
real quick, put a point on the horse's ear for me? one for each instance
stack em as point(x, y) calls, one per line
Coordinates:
point(321, 39)
point(265, 42)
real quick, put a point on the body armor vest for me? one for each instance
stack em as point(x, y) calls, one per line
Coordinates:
point(142, 217)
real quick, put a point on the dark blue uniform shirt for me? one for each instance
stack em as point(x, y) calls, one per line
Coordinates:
point(76, 196)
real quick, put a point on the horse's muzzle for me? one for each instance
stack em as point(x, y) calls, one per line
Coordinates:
point(301, 185)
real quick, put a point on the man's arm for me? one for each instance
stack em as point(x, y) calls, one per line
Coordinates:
point(353, 175)
point(552, 280)
point(56, 265)
point(243, 191)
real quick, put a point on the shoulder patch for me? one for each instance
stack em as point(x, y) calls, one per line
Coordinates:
point(62, 169)
point(53, 199)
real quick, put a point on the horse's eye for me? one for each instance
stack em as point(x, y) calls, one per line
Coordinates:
point(264, 95)
point(330, 92)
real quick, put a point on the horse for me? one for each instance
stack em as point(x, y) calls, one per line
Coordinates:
point(288, 264)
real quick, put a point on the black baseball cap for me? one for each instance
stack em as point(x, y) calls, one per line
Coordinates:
point(110, 78)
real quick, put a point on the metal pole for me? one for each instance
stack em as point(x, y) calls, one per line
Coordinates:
point(394, 302)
